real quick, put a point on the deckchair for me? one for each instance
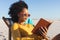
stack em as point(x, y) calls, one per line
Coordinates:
point(8, 22)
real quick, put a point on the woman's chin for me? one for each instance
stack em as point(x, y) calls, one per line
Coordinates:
point(24, 20)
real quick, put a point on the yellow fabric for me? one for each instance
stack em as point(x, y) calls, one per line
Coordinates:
point(23, 32)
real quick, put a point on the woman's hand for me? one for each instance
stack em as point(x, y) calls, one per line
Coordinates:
point(44, 32)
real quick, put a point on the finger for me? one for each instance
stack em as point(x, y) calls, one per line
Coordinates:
point(42, 33)
point(43, 30)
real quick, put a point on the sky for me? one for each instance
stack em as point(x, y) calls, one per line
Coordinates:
point(37, 8)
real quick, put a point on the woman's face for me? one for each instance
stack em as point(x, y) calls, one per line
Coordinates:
point(23, 15)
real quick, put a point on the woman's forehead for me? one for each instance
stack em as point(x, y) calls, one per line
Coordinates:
point(24, 10)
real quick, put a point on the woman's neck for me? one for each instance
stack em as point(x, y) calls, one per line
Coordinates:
point(21, 22)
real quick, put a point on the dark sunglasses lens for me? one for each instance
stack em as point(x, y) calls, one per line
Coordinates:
point(28, 15)
point(24, 14)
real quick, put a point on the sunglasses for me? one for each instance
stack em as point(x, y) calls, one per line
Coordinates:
point(28, 15)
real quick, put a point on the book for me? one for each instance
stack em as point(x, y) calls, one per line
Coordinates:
point(41, 23)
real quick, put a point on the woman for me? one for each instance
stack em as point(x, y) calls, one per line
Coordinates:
point(19, 14)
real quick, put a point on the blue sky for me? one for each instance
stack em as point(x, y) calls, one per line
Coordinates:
point(37, 8)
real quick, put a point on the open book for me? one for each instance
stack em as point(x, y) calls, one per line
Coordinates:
point(41, 23)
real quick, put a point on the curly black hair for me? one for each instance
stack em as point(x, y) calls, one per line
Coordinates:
point(15, 9)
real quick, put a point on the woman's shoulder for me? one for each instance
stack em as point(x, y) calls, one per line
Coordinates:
point(15, 23)
point(15, 26)
point(30, 25)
